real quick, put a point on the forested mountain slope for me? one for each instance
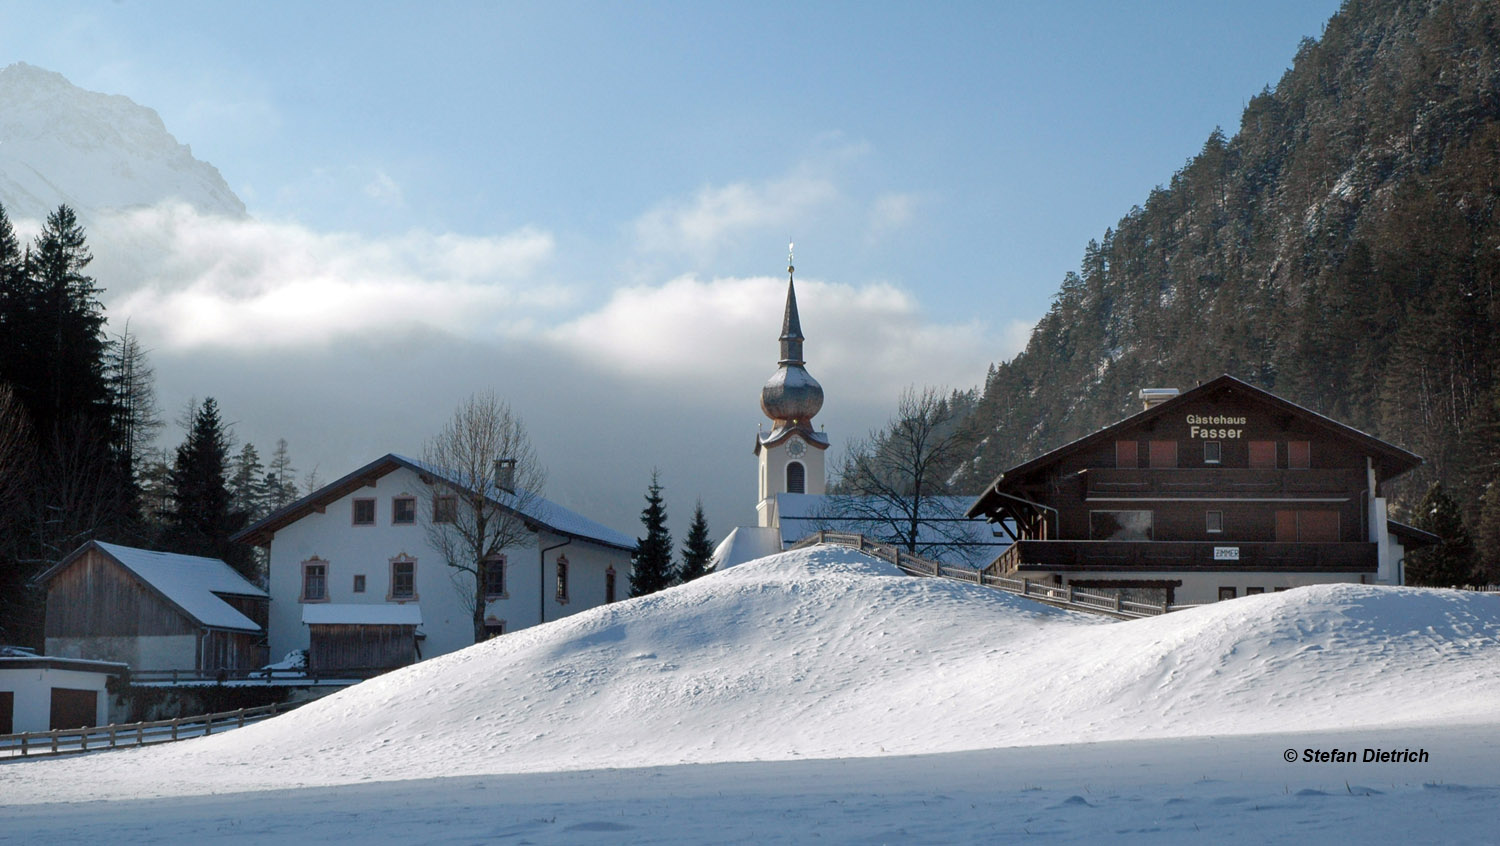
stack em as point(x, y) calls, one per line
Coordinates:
point(1341, 249)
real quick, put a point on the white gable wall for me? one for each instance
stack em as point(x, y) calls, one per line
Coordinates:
point(447, 624)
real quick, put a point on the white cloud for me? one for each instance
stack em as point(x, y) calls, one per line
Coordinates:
point(891, 212)
point(716, 216)
point(384, 190)
point(209, 281)
point(870, 341)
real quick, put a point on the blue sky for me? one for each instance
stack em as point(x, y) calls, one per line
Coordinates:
point(943, 163)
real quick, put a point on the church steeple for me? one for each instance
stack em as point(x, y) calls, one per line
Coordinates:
point(791, 396)
point(791, 324)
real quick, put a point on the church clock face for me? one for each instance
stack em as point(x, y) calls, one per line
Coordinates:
point(796, 448)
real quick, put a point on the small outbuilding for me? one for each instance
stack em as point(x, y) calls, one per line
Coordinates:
point(38, 693)
point(153, 610)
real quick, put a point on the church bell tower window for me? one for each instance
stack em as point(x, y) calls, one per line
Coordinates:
point(796, 478)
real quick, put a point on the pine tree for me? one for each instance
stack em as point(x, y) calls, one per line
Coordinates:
point(246, 484)
point(697, 550)
point(72, 355)
point(651, 566)
point(202, 518)
point(1487, 532)
point(1451, 562)
point(281, 478)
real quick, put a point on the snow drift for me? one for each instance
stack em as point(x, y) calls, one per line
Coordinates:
point(825, 653)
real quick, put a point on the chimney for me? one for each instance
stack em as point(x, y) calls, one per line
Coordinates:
point(1153, 397)
point(505, 474)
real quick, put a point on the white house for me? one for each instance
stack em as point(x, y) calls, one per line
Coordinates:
point(355, 580)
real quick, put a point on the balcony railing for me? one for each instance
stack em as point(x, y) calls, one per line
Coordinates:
point(1222, 482)
point(1048, 555)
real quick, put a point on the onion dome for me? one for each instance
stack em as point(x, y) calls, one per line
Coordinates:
point(791, 396)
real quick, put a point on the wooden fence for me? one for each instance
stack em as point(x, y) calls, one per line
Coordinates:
point(1061, 597)
point(60, 741)
point(291, 677)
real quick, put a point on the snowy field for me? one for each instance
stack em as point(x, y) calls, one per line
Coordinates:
point(820, 695)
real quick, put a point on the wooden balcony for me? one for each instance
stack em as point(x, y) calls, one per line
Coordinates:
point(1155, 556)
point(1236, 482)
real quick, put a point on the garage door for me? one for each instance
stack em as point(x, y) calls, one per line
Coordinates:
point(74, 708)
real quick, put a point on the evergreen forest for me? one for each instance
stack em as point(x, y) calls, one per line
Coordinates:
point(79, 425)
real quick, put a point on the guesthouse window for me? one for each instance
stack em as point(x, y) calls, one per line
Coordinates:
point(1298, 455)
point(1163, 453)
point(1214, 522)
point(609, 585)
point(364, 512)
point(796, 478)
point(404, 510)
point(1120, 525)
point(1307, 526)
point(493, 627)
point(1226, 593)
point(1263, 454)
point(359, 582)
point(562, 578)
point(1253, 591)
point(1127, 454)
point(1211, 451)
point(403, 579)
point(494, 577)
point(444, 508)
point(314, 580)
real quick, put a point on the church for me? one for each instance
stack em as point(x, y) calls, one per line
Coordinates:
point(792, 471)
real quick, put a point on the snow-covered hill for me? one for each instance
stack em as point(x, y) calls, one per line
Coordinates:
point(826, 653)
point(94, 152)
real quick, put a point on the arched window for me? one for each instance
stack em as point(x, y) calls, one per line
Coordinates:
point(796, 478)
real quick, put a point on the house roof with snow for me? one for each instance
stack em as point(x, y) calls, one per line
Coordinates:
point(545, 514)
point(190, 583)
point(942, 532)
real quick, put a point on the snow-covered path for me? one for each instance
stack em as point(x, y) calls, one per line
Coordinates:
point(1184, 790)
point(850, 695)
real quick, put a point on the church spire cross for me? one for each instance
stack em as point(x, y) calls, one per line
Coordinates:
point(791, 323)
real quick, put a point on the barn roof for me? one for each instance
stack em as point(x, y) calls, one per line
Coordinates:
point(546, 514)
point(190, 583)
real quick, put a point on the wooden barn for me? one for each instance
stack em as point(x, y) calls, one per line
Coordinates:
point(153, 610)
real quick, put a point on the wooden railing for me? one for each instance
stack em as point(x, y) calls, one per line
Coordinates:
point(285, 676)
point(1060, 597)
point(95, 738)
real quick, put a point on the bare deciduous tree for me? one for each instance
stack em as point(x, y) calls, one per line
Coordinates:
point(894, 484)
point(489, 500)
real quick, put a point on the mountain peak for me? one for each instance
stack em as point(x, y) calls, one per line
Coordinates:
point(95, 152)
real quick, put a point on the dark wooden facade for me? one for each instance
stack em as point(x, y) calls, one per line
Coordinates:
point(98, 608)
point(1225, 477)
point(363, 647)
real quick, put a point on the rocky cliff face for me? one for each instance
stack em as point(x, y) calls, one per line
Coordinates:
point(94, 152)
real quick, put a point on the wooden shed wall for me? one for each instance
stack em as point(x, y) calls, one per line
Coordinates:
point(334, 647)
point(95, 597)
